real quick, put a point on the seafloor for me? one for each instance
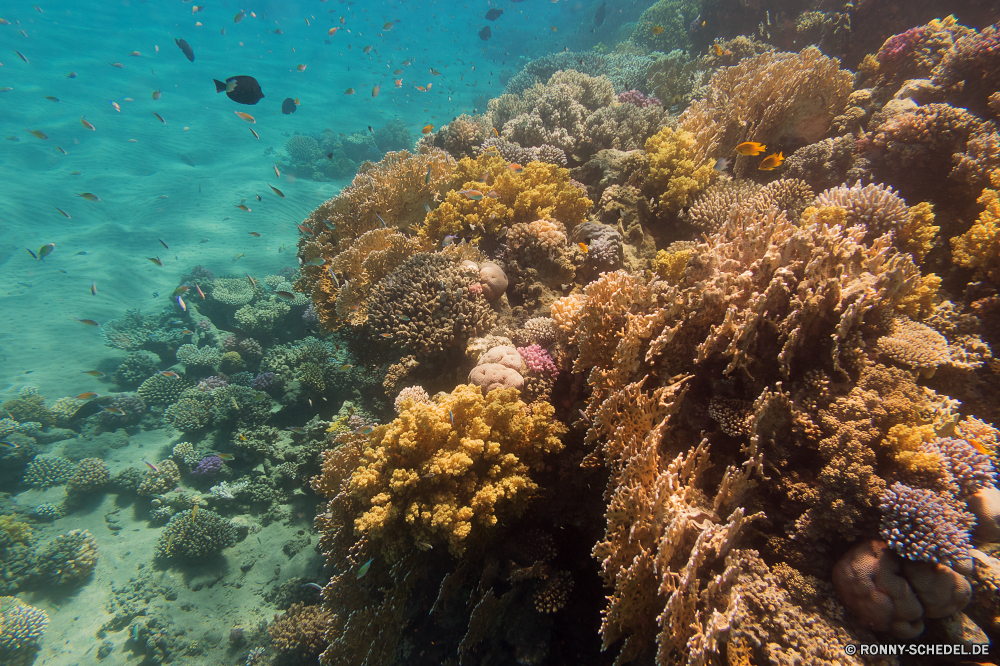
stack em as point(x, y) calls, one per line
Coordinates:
point(678, 352)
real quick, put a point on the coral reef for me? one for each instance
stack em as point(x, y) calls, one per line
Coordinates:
point(21, 630)
point(47, 471)
point(195, 533)
point(300, 631)
point(91, 475)
point(69, 558)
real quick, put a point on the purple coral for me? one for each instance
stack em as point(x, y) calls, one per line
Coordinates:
point(309, 317)
point(636, 98)
point(923, 526)
point(211, 383)
point(263, 381)
point(897, 47)
point(603, 250)
point(970, 469)
point(538, 360)
point(208, 467)
point(230, 342)
point(249, 348)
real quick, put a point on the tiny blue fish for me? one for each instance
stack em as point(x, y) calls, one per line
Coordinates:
point(452, 417)
point(316, 585)
point(427, 208)
point(364, 568)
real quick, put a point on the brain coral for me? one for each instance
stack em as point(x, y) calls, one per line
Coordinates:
point(195, 533)
point(868, 582)
point(427, 304)
point(447, 472)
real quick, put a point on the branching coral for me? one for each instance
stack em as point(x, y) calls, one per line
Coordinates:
point(979, 247)
point(540, 191)
point(677, 172)
point(760, 99)
point(447, 472)
point(195, 533)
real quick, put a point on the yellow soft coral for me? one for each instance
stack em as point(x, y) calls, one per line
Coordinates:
point(904, 441)
point(540, 191)
point(979, 247)
point(18, 531)
point(670, 265)
point(920, 302)
point(674, 171)
point(916, 235)
point(444, 472)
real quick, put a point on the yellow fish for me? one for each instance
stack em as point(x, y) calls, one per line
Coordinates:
point(656, 30)
point(245, 116)
point(750, 148)
point(772, 162)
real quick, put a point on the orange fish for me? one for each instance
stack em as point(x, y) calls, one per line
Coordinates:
point(427, 129)
point(750, 148)
point(421, 88)
point(399, 83)
point(772, 162)
point(515, 167)
point(245, 116)
point(717, 49)
point(656, 30)
point(979, 446)
point(170, 375)
point(94, 373)
point(200, 292)
point(304, 229)
point(331, 32)
point(87, 396)
point(255, 234)
point(114, 410)
point(83, 121)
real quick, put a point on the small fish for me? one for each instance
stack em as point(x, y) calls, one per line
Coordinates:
point(423, 545)
point(87, 396)
point(276, 190)
point(187, 331)
point(485, 177)
point(583, 246)
point(237, 257)
point(300, 68)
point(46, 250)
point(656, 30)
point(515, 167)
point(750, 148)
point(553, 28)
point(245, 116)
point(200, 292)
point(186, 48)
point(398, 82)
point(717, 49)
point(304, 229)
point(156, 260)
point(367, 49)
point(116, 107)
point(722, 164)
point(427, 208)
point(427, 177)
point(6, 89)
point(244, 208)
point(159, 117)
point(297, 430)
point(447, 240)
point(224, 456)
point(38, 134)
point(364, 568)
point(157, 95)
point(331, 32)
point(117, 64)
point(113, 410)
point(285, 295)
point(255, 135)
point(253, 283)
point(365, 430)
point(316, 585)
point(485, 33)
point(316, 261)
point(772, 162)
point(83, 121)
point(88, 196)
point(254, 234)
point(71, 75)
point(93, 288)
point(88, 322)
point(420, 88)
point(452, 417)
point(375, 90)
point(349, 91)
point(170, 375)
point(386, 335)
point(152, 466)
point(404, 318)
point(180, 302)
point(20, 55)
point(51, 98)
point(239, 16)
point(475, 195)
point(94, 373)
point(135, 54)
point(13, 445)
point(427, 129)
point(61, 150)
point(345, 367)
point(492, 194)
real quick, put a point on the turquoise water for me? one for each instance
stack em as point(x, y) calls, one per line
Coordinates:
point(254, 365)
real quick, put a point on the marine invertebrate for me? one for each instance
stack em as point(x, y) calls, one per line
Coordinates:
point(47, 471)
point(302, 148)
point(538, 360)
point(260, 317)
point(968, 70)
point(713, 207)
point(676, 171)
point(626, 71)
point(979, 247)
point(922, 525)
point(195, 533)
point(500, 367)
point(189, 414)
point(427, 304)
point(414, 393)
point(204, 357)
point(539, 191)
point(16, 531)
point(676, 78)
point(759, 99)
point(869, 583)
point(445, 473)
point(131, 406)
point(233, 292)
point(916, 345)
point(300, 632)
point(91, 475)
point(970, 469)
point(162, 390)
point(621, 127)
point(21, 630)
point(160, 478)
point(208, 466)
point(69, 558)
point(29, 408)
point(136, 368)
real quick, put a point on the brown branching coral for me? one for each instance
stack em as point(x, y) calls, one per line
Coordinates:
point(448, 472)
point(300, 631)
point(759, 99)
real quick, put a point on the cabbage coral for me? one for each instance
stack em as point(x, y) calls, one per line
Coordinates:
point(445, 472)
point(540, 191)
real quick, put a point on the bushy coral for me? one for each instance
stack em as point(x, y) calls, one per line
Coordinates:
point(538, 360)
point(232, 291)
point(47, 471)
point(163, 478)
point(979, 247)
point(300, 632)
point(91, 475)
point(21, 630)
point(195, 533)
point(69, 558)
point(260, 318)
point(924, 526)
point(447, 472)
point(29, 408)
point(302, 148)
point(122, 409)
point(626, 71)
point(189, 414)
point(676, 172)
point(161, 389)
point(136, 368)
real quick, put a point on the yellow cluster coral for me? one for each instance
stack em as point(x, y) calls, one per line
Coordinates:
point(920, 302)
point(18, 531)
point(674, 169)
point(540, 191)
point(670, 265)
point(444, 472)
point(979, 247)
point(904, 441)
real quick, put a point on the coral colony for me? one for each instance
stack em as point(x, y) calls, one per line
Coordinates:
point(583, 372)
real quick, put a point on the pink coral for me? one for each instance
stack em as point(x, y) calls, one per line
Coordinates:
point(538, 360)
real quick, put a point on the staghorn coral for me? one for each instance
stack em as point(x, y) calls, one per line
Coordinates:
point(446, 473)
point(979, 247)
point(428, 304)
point(195, 533)
point(540, 191)
point(759, 99)
point(676, 171)
point(713, 207)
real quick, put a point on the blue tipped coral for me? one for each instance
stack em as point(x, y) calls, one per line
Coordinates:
point(921, 525)
point(970, 469)
point(21, 628)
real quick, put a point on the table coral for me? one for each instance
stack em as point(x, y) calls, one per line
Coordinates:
point(924, 526)
point(915, 345)
point(447, 472)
